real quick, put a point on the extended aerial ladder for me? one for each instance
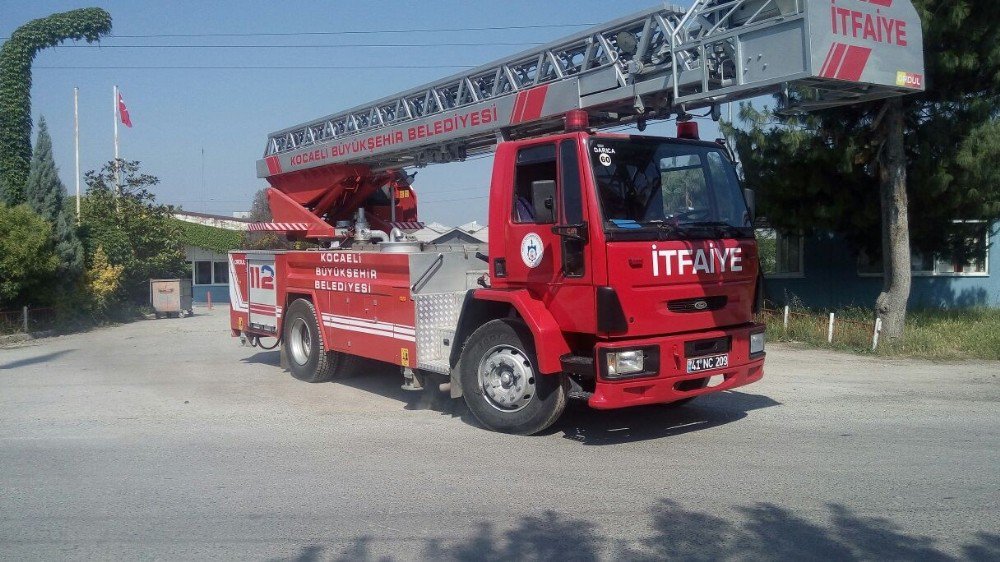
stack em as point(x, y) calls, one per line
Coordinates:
point(656, 64)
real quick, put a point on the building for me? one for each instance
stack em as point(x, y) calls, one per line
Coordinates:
point(207, 241)
point(822, 272)
point(468, 233)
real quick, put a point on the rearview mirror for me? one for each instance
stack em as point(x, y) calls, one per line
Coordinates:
point(543, 195)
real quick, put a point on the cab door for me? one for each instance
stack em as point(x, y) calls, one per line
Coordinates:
point(546, 233)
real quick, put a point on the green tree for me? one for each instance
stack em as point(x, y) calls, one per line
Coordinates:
point(16, 57)
point(46, 195)
point(27, 260)
point(892, 176)
point(133, 230)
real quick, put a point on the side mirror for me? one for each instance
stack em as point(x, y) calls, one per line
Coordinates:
point(748, 194)
point(543, 196)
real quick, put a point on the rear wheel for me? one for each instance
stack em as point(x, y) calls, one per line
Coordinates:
point(501, 384)
point(308, 359)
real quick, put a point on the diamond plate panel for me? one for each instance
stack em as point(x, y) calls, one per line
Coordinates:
point(435, 312)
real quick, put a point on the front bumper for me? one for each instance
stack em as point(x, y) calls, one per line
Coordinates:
point(672, 382)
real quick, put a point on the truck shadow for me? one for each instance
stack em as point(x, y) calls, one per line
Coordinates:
point(386, 380)
point(642, 423)
point(264, 358)
point(579, 422)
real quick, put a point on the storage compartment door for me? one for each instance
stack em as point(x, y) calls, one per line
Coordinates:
point(262, 282)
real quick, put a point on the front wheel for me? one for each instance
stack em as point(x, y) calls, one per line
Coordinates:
point(501, 384)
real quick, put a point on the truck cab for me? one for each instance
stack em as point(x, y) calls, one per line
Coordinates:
point(641, 251)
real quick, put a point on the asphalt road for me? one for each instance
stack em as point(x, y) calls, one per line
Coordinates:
point(166, 439)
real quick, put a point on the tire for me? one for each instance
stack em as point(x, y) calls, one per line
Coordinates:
point(304, 345)
point(500, 384)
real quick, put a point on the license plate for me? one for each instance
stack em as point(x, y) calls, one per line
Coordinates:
point(708, 363)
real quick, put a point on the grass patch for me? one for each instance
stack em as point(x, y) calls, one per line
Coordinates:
point(960, 334)
point(930, 334)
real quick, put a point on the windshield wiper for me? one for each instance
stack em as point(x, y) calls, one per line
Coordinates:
point(663, 227)
point(723, 228)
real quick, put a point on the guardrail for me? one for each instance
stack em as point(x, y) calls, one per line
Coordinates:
point(26, 320)
point(816, 327)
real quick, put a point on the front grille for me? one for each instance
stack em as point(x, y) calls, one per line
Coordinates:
point(700, 304)
point(711, 346)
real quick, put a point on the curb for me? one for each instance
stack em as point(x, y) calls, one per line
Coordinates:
point(23, 337)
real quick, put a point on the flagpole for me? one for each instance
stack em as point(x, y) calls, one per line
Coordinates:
point(76, 142)
point(115, 119)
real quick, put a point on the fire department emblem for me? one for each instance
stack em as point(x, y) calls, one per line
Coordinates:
point(531, 250)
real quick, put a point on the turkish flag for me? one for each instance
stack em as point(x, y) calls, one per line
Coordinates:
point(123, 112)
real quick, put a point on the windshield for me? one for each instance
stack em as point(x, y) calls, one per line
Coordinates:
point(667, 189)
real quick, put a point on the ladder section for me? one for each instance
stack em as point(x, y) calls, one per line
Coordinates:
point(485, 99)
point(654, 64)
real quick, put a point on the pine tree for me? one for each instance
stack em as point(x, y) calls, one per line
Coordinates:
point(45, 194)
point(830, 171)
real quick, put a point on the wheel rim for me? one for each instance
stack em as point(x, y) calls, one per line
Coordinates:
point(507, 378)
point(300, 341)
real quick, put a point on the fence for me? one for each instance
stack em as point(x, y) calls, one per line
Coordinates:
point(845, 330)
point(26, 320)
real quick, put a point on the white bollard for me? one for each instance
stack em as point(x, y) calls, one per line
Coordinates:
point(25, 319)
point(786, 317)
point(876, 332)
point(829, 331)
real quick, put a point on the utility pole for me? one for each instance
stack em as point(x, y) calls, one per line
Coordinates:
point(76, 142)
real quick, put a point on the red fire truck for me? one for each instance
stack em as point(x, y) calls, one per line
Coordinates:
point(620, 268)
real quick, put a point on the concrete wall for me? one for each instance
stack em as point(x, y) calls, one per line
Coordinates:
point(216, 221)
point(831, 280)
point(220, 294)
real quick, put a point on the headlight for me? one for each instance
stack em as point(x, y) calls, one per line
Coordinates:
point(756, 343)
point(625, 363)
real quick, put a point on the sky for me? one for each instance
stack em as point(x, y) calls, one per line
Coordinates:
point(201, 130)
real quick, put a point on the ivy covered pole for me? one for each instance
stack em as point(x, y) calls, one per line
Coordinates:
point(16, 57)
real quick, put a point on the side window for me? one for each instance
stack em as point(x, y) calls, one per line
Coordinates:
point(534, 182)
point(571, 196)
point(573, 261)
point(731, 209)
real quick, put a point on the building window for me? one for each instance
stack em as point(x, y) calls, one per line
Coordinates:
point(202, 273)
point(971, 261)
point(780, 254)
point(221, 273)
point(211, 273)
